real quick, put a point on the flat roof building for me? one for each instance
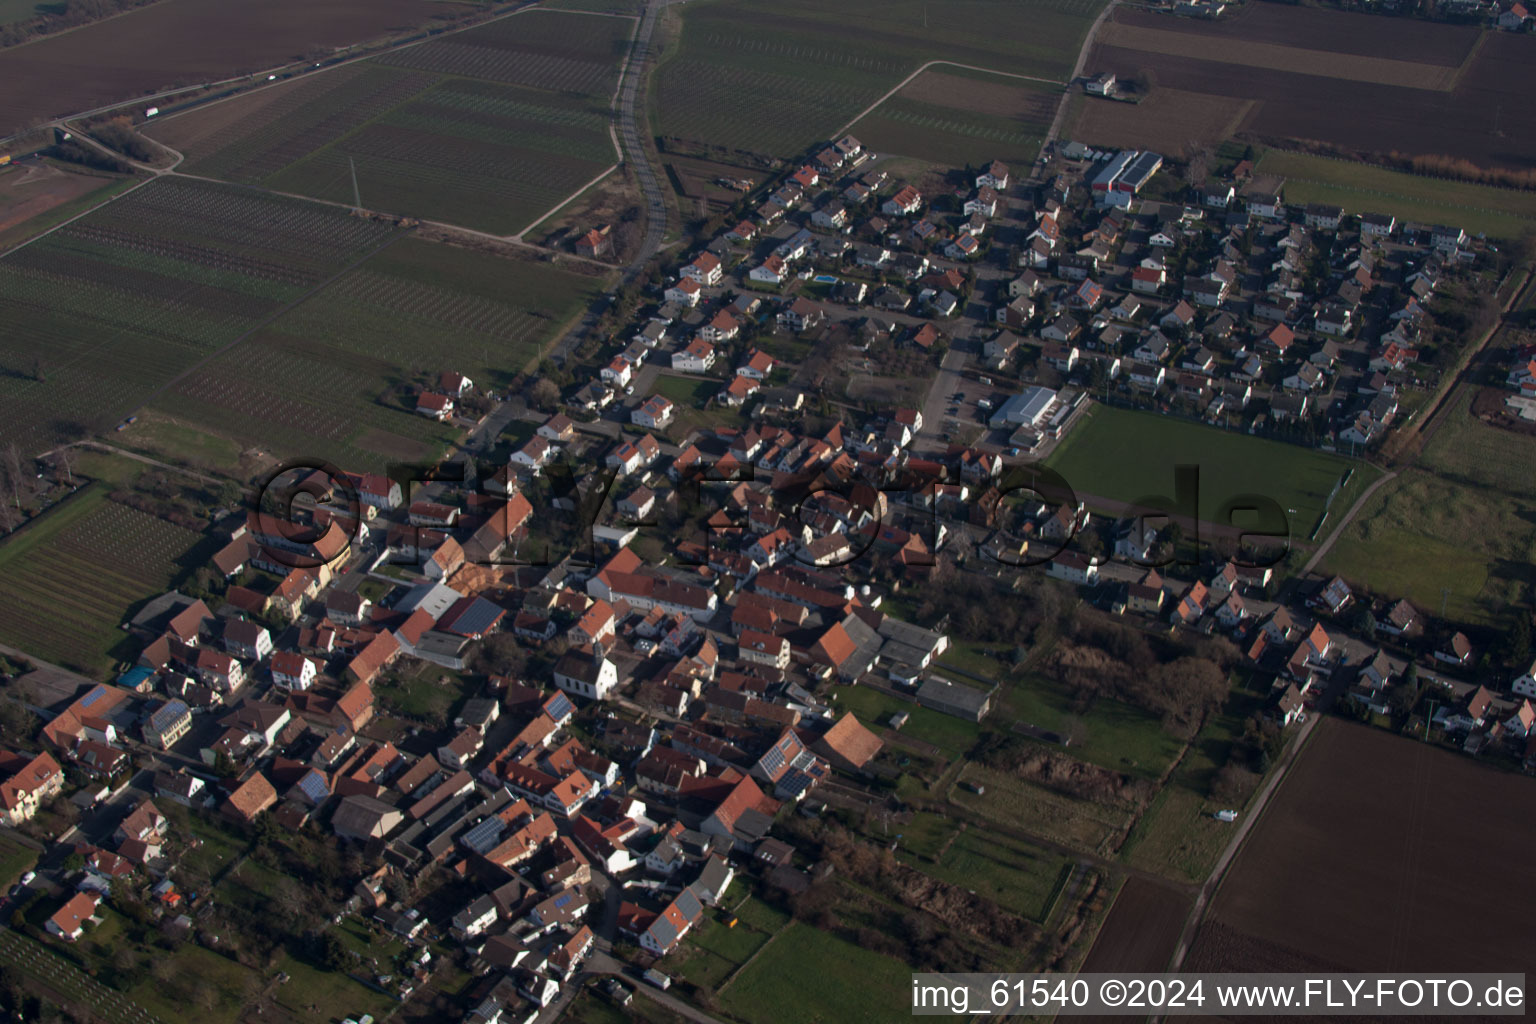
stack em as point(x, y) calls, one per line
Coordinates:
point(1027, 409)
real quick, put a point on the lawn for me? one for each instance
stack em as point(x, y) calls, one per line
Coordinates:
point(1466, 449)
point(776, 987)
point(126, 555)
point(1109, 733)
point(1177, 836)
point(1014, 875)
point(687, 392)
point(1362, 188)
point(422, 690)
point(1434, 541)
point(953, 736)
point(1124, 455)
point(15, 859)
point(926, 834)
point(1014, 803)
point(773, 82)
point(177, 442)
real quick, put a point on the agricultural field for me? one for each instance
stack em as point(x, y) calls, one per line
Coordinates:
point(1110, 733)
point(1124, 456)
point(870, 987)
point(1432, 540)
point(772, 82)
point(1015, 803)
point(1418, 815)
point(106, 312)
point(1343, 79)
point(73, 575)
point(1141, 930)
point(1469, 451)
point(336, 370)
point(1018, 877)
point(33, 188)
point(12, 11)
point(959, 117)
point(1166, 121)
point(487, 128)
point(187, 42)
point(1360, 188)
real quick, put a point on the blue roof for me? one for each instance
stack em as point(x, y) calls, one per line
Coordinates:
point(484, 836)
point(134, 676)
point(167, 713)
point(313, 785)
point(559, 706)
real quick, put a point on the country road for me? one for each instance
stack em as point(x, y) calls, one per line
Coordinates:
point(638, 157)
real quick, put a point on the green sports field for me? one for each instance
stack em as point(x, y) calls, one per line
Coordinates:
point(789, 982)
point(1125, 456)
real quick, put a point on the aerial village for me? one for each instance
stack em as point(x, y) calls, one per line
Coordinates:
point(655, 611)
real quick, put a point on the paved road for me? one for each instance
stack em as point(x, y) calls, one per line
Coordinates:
point(631, 104)
point(1338, 531)
point(1077, 71)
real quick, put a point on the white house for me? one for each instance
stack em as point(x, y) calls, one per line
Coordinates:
point(685, 292)
point(583, 672)
point(697, 357)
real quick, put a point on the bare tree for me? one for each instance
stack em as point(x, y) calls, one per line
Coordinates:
point(1197, 165)
point(13, 470)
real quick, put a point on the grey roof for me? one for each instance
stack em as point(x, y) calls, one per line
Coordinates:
point(434, 598)
point(938, 690)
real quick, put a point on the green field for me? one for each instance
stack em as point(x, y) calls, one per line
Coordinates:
point(12, 11)
point(1178, 835)
point(1124, 456)
point(16, 858)
point(1428, 539)
point(774, 81)
point(101, 314)
point(1109, 733)
point(1014, 803)
point(73, 574)
point(953, 736)
point(1017, 877)
point(488, 128)
point(779, 987)
point(1466, 449)
point(1362, 188)
point(687, 392)
point(949, 134)
point(331, 366)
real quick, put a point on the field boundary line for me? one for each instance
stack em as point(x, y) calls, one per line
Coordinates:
point(613, 130)
point(936, 63)
point(311, 72)
point(271, 318)
point(66, 223)
point(1218, 874)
